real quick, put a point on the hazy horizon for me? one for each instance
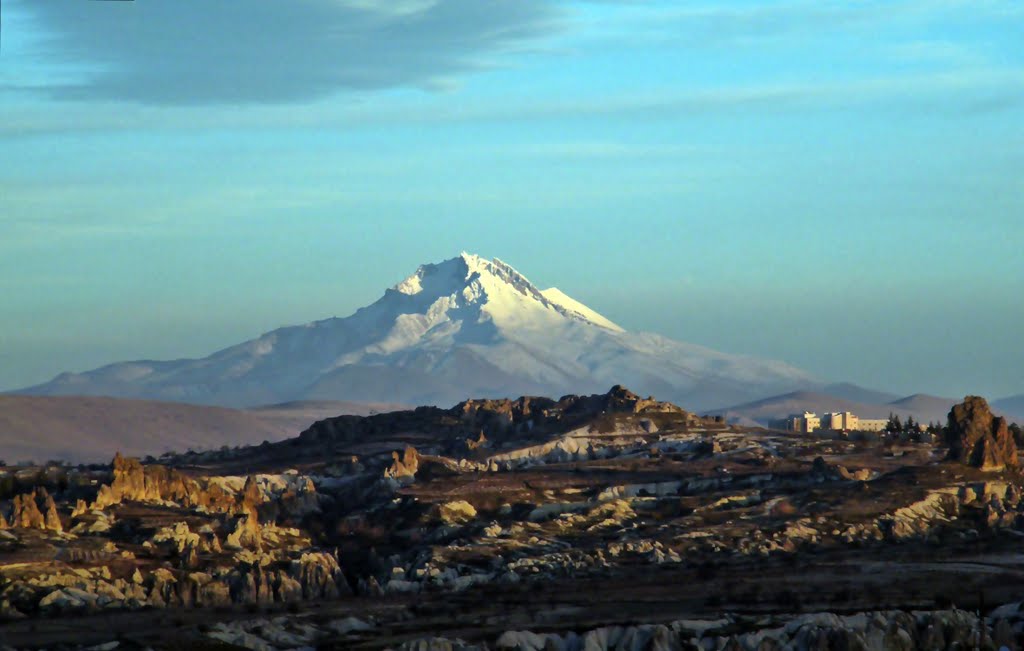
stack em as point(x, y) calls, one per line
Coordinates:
point(836, 186)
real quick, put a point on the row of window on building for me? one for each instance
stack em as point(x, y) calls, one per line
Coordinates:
point(838, 421)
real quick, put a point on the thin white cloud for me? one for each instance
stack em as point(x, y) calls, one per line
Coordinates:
point(951, 92)
point(755, 23)
point(596, 150)
point(391, 7)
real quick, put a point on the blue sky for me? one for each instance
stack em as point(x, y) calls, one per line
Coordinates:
point(836, 184)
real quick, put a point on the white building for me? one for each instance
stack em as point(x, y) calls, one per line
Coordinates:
point(837, 421)
point(806, 423)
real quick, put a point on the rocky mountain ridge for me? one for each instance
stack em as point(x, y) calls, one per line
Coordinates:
point(525, 418)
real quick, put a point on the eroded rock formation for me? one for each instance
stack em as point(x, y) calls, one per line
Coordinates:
point(35, 510)
point(253, 577)
point(978, 438)
point(403, 465)
point(134, 482)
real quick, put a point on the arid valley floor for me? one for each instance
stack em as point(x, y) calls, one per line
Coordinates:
point(585, 523)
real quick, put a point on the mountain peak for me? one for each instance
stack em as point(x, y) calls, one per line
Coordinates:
point(466, 325)
point(455, 273)
point(496, 286)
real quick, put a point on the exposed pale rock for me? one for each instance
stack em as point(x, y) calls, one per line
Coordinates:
point(26, 514)
point(349, 625)
point(35, 510)
point(521, 641)
point(478, 443)
point(921, 516)
point(157, 484)
point(457, 512)
point(178, 537)
point(93, 522)
point(403, 466)
point(247, 532)
point(320, 576)
point(438, 644)
point(68, 599)
point(872, 631)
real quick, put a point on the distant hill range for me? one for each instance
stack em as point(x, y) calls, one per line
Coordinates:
point(88, 429)
point(294, 417)
point(1012, 404)
point(865, 403)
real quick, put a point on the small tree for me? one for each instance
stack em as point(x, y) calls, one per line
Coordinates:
point(910, 425)
point(894, 426)
point(8, 486)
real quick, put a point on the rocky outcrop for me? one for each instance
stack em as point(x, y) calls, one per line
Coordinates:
point(403, 466)
point(439, 644)
point(883, 630)
point(293, 496)
point(134, 482)
point(179, 540)
point(621, 399)
point(260, 578)
point(284, 632)
point(251, 496)
point(246, 533)
point(254, 577)
point(922, 516)
point(291, 633)
point(296, 501)
point(978, 438)
point(496, 420)
point(821, 469)
point(565, 413)
point(35, 510)
point(868, 631)
point(478, 443)
point(457, 512)
point(25, 513)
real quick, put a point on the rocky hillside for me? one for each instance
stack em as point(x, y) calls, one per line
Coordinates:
point(527, 524)
point(508, 421)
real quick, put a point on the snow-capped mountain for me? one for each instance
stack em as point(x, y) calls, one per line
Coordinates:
point(466, 327)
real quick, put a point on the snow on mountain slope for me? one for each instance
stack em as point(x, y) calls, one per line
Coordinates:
point(463, 327)
point(556, 296)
